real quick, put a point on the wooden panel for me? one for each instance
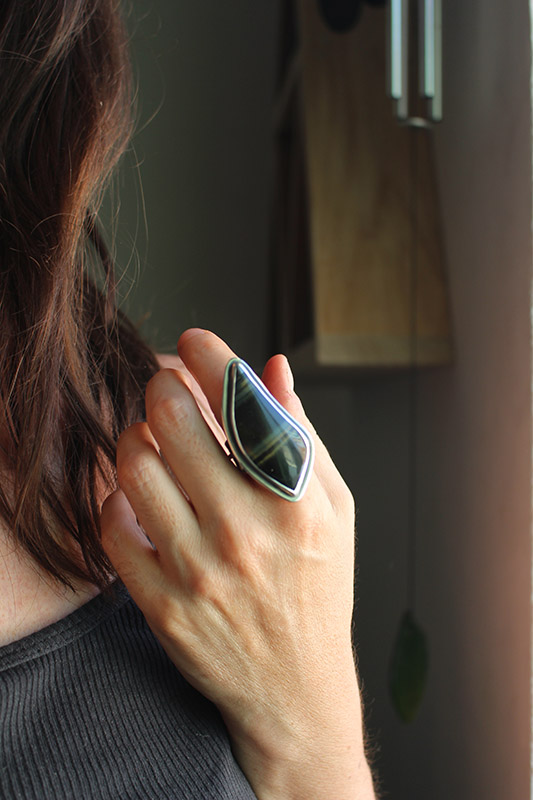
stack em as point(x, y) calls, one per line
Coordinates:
point(360, 204)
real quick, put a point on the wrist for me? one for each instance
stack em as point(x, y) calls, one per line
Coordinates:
point(313, 750)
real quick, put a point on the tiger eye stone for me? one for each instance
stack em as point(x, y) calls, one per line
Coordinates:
point(265, 440)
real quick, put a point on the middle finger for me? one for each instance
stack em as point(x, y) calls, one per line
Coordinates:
point(195, 457)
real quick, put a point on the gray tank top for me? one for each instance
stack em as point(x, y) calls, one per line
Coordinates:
point(92, 707)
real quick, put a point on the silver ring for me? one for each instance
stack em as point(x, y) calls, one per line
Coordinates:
point(265, 441)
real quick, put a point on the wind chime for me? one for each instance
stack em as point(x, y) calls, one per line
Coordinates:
point(414, 74)
point(360, 277)
point(413, 28)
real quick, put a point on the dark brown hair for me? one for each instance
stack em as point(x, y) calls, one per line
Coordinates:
point(73, 369)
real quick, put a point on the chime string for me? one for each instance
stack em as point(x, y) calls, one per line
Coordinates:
point(413, 134)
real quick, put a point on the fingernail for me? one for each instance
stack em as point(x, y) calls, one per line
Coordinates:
point(290, 376)
point(191, 332)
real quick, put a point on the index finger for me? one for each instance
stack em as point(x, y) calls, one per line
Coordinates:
point(206, 355)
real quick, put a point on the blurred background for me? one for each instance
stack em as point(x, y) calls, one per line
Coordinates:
point(438, 457)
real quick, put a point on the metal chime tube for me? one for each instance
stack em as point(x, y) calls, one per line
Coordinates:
point(430, 68)
point(430, 57)
point(399, 22)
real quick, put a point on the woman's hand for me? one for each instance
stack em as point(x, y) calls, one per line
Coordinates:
point(250, 595)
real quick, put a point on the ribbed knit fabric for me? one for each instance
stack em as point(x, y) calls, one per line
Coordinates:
point(92, 707)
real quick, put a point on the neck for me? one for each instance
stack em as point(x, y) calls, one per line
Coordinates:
point(29, 598)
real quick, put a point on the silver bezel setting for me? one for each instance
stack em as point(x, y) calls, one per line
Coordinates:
point(241, 457)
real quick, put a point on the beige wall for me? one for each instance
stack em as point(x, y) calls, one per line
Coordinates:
point(206, 176)
point(476, 506)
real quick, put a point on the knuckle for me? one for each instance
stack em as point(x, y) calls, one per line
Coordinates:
point(137, 472)
point(200, 585)
point(168, 411)
point(164, 620)
point(234, 549)
point(316, 520)
point(239, 546)
point(156, 381)
point(309, 524)
point(309, 514)
point(129, 436)
point(162, 613)
point(221, 532)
